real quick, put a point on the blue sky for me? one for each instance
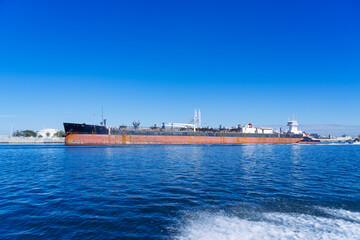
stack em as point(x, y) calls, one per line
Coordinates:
point(155, 61)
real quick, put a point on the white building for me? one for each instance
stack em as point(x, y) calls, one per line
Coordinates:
point(47, 132)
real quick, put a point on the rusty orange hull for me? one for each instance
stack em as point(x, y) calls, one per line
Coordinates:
point(90, 139)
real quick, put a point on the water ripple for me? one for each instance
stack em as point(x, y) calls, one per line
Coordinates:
point(180, 192)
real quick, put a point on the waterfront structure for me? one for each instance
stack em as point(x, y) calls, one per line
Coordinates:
point(48, 132)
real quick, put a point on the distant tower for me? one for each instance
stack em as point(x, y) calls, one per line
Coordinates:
point(199, 119)
point(195, 117)
point(292, 124)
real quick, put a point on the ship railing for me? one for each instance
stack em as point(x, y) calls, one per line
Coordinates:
point(172, 129)
point(152, 129)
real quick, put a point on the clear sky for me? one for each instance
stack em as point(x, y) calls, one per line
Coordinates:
point(155, 61)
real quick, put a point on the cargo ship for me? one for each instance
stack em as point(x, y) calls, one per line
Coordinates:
point(178, 133)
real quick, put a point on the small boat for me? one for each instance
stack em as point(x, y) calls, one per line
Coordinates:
point(307, 139)
point(356, 141)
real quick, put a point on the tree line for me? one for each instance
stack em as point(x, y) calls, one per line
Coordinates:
point(31, 133)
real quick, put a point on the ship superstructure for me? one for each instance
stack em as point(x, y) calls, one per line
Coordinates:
point(292, 124)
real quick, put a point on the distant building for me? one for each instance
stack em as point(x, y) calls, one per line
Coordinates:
point(315, 135)
point(48, 132)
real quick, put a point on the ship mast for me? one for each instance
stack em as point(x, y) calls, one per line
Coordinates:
point(103, 121)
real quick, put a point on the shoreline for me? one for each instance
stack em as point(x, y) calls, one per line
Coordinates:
point(30, 140)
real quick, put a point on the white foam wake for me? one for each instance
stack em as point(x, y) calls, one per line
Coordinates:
point(341, 213)
point(344, 225)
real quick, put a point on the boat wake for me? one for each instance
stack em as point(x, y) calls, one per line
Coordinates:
point(332, 224)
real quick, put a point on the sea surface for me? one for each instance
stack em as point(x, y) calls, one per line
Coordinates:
point(309, 191)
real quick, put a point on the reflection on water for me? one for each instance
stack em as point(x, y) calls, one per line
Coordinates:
point(249, 150)
point(295, 153)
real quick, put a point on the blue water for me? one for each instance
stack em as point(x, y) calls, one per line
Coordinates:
point(309, 191)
